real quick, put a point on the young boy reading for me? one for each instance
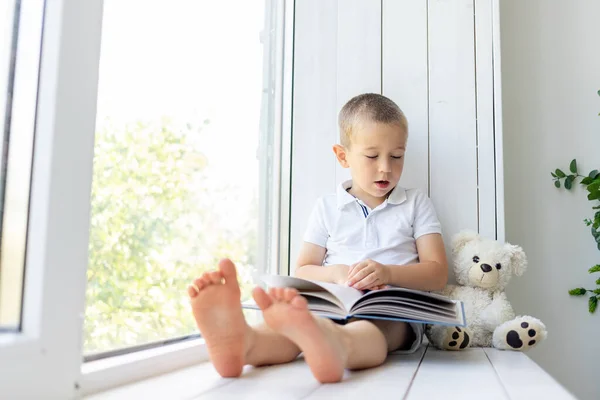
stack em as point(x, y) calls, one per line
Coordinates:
point(369, 234)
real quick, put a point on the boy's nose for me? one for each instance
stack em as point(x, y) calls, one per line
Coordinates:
point(385, 166)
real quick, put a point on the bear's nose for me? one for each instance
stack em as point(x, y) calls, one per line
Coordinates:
point(486, 267)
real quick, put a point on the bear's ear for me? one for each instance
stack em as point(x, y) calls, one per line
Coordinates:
point(518, 259)
point(461, 239)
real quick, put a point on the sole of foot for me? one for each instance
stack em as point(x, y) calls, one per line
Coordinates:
point(286, 312)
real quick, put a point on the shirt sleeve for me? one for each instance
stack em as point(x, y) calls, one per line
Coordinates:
point(426, 220)
point(316, 230)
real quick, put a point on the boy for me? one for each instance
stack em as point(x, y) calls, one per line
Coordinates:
point(370, 234)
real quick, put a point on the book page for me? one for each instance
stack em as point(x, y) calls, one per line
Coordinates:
point(346, 296)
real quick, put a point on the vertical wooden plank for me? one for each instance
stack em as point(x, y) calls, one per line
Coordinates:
point(314, 112)
point(358, 55)
point(453, 165)
point(405, 81)
point(389, 381)
point(464, 375)
point(486, 158)
point(523, 379)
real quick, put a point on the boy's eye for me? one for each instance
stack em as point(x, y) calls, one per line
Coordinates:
point(371, 157)
point(397, 157)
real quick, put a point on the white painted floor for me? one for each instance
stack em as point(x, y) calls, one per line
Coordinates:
point(428, 374)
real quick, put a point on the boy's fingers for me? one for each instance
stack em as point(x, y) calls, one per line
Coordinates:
point(365, 282)
point(354, 266)
point(358, 275)
point(355, 269)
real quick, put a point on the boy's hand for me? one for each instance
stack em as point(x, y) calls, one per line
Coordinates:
point(368, 274)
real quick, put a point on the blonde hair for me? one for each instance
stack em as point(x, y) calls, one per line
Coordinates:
point(371, 106)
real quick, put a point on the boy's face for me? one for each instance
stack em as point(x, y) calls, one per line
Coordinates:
point(375, 159)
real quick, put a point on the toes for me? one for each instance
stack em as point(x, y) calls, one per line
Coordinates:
point(299, 302)
point(193, 290)
point(215, 277)
point(278, 293)
point(228, 272)
point(262, 299)
point(196, 286)
point(289, 294)
point(200, 283)
point(273, 293)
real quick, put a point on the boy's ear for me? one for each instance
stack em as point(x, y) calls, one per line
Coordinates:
point(340, 154)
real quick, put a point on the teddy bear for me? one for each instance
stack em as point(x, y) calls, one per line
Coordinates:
point(483, 267)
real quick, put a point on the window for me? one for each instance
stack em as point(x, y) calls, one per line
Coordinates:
point(178, 133)
point(20, 25)
point(186, 162)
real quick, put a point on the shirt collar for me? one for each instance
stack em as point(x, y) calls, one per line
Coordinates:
point(397, 196)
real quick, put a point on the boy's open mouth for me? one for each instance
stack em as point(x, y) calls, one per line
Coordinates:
point(382, 184)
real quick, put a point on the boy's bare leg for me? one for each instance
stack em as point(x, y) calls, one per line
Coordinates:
point(215, 301)
point(329, 348)
point(372, 340)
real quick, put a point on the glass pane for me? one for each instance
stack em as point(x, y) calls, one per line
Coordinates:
point(19, 69)
point(176, 172)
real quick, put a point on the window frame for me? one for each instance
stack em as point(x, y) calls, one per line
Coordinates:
point(47, 348)
point(103, 374)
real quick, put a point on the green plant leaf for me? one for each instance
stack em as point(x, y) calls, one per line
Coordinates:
point(593, 174)
point(553, 174)
point(593, 303)
point(573, 166)
point(596, 291)
point(595, 268)
point(594, 195)
point(598, 281)
point(586, 181)
point(577, 292)
point(594, 186)
point(569, 182)
point(598, 92)
point(557, 183)
point(559, 173)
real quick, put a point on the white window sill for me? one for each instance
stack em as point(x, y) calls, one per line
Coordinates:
point(101, 375)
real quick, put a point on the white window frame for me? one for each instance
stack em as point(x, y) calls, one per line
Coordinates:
point(45, 359)
point(107, 373)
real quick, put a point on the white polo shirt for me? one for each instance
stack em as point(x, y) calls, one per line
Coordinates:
point(351, 232)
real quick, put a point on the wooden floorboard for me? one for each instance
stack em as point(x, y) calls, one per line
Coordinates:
point(428, 374)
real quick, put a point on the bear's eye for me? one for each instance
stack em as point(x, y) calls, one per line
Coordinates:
point(475, 259)
point(498, 266)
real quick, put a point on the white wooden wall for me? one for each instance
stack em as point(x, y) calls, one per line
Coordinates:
point(439, 61)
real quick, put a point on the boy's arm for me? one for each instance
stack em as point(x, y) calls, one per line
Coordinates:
point(310, 266)
point(431, 273)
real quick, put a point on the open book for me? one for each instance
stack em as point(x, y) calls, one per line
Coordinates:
point(342, 302)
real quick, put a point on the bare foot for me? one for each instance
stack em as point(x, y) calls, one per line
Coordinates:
point(215, 300)
point(286, 312)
